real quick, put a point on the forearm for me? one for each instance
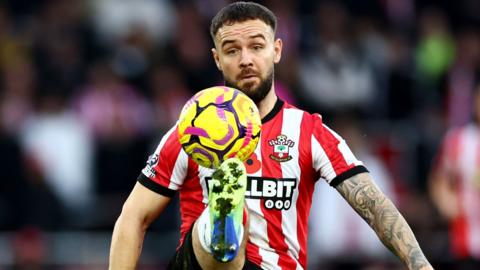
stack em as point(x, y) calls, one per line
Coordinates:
point(141, 208)
point(394, 232)
point(127, 240)
point(384, 218)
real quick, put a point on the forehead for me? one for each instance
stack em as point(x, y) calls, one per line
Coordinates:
point(243, 30)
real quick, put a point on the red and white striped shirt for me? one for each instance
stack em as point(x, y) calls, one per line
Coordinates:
point(460, 158)
point(280, 182)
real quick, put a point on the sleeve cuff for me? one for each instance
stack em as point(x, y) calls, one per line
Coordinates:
point(347, 174)
point(155, 187)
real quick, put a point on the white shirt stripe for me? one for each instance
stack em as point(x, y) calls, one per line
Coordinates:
point(292, 119)
point(321, 162)
point(258, 226)
point(270, 259)
point(179, 172)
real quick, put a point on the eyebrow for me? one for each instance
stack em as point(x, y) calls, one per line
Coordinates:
point(257, 36)
point(229, 41)
point(226, 42)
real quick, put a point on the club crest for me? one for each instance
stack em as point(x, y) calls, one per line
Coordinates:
point(281, 148)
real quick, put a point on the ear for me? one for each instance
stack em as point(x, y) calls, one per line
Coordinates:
point(277, 46)
point(215, 57)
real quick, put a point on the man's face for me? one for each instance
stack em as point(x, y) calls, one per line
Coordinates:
point(246, 52)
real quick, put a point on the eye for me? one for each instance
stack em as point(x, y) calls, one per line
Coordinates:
point(231, 51)
point(257, 47)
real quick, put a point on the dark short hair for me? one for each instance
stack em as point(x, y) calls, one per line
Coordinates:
point(240, 12)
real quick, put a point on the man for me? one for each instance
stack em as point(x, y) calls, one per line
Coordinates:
point(454, 186)
point(280, 187)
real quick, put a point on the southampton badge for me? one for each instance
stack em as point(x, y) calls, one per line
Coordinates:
point(281, 147)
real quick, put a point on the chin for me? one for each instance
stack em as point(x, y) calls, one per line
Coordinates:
point(249, 87)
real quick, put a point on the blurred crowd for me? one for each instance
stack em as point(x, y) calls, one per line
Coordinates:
point(87, 89)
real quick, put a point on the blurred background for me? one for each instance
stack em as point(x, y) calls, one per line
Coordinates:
point(87, 89)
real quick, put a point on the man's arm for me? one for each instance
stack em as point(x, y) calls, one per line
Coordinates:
point(384, 218)
point(139, 211)
point(443, 194)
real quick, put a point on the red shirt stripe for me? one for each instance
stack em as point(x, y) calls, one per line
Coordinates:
point(307, 182)
point(271, 130)
point(253, 253)
point(190, 208)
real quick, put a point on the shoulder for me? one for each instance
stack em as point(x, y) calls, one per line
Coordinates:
point(307, 117)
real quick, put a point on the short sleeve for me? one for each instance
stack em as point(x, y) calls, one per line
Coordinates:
point(332, 158)
point(166, 168)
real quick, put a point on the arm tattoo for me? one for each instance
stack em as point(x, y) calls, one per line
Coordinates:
point(380, 213)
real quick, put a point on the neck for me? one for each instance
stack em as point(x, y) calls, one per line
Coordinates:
point(267, 104)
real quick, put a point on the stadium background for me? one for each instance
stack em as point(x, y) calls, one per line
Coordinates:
point(88, 87)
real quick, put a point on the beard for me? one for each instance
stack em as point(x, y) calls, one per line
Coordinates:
point(258, 93)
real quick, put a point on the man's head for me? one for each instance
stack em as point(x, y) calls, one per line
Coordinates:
point(245, 47)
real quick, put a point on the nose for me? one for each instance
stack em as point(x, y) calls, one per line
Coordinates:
point(246, 59)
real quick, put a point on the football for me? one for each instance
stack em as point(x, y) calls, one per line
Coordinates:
point(219, 123)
